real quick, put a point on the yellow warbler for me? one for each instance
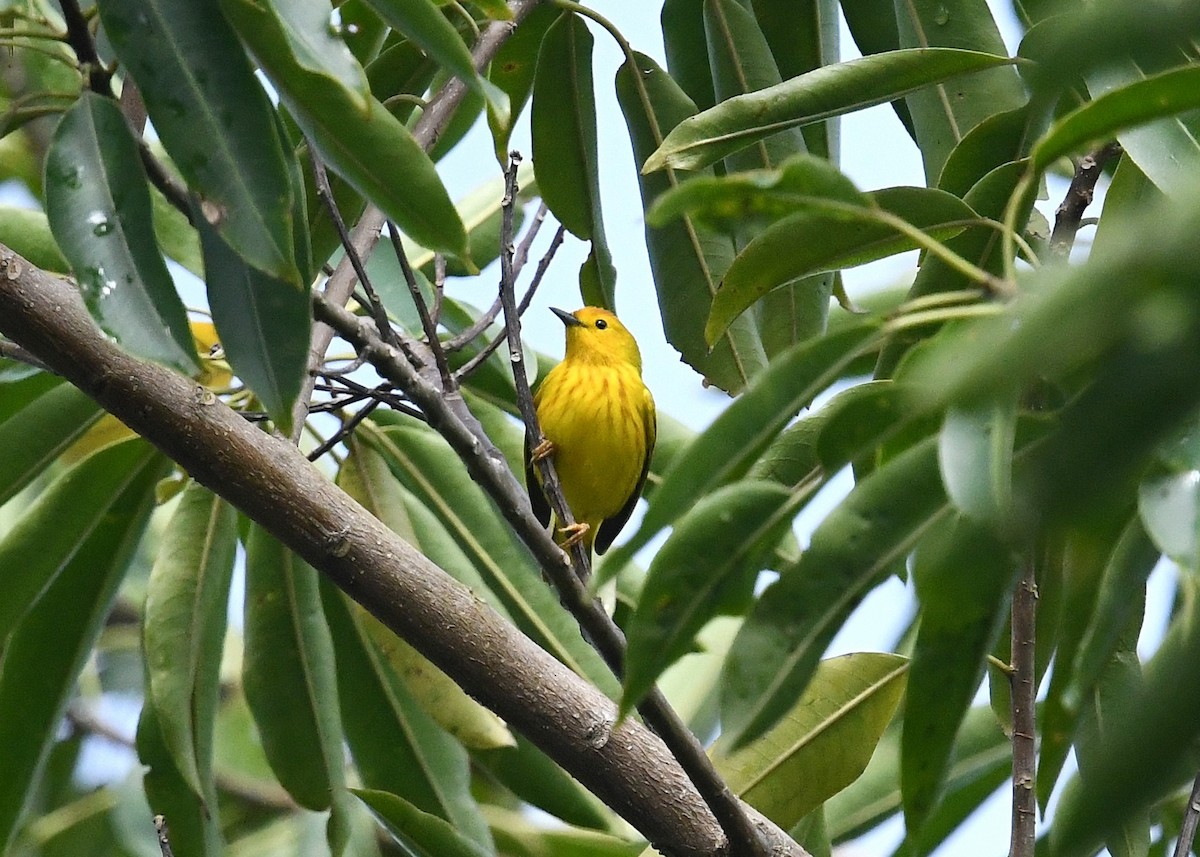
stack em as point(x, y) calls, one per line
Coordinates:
point(600, 425)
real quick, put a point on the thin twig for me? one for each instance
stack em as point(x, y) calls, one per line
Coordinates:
point(522, 254)
point(1068, 216)
point(1024, 692)
point(164, 836)
point(439, 285)
point(12, 351)
point(347, 428)
point(1191, 814)
point(601, 631)
point(427, 322)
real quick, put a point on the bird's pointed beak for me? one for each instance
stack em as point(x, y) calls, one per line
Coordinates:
point(566, 318)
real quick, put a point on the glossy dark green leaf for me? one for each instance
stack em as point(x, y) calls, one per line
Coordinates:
point(823, 743)
point(872, 25)
point(825, 235)
point(397, 747)
point(421, 833)
point(963, 576)
point(41, 543)
point(531, 775)
point(942, 114)
point(263, 324)
point(288, 673)
point(214, 119)
point(98, 206)
point(28, 233)
point(1139, 757)
point(37, 434)
point(851, 551)
point(686, 47)
point(1156, 97)
point(833, 90)
point(45, 652)
point(565, 157)
point(351, 133)
point(998, 139)
point(713, 556)
point(725, 451)
point(686, 260)
point(183, 630)
point(512, 71)
point(521, 836)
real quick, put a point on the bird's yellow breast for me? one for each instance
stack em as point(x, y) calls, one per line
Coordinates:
point(597, 418)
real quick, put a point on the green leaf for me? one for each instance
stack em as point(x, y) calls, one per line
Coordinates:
point(38, 433)
point(943, 114)
point(1128, 106)
point(565, 157)
point(45, 652)
point(872, 25)
point(288, 673)
point(686, 46)
point(405, 184)
point(419, 831)
point(99, 209)
point(319, 48)
point(521, 836)
point(829, 91)
point(851, 551)
point(214, 119)
point(963, 576)
point(183, 631)
point(531, 775)
point(28, 233)
point(997, 140)
point(826, 235)
point(263, 324)
point(41, 544)
point(708, 565)
point(823, 743)
point(975, 450)
point(725, 451)
point(1169, 500)
point(687, 261)
point(397, 747)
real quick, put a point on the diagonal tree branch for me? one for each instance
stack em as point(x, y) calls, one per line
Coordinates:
point(625, 765)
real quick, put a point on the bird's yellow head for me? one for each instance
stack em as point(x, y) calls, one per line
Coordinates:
point(595, 335)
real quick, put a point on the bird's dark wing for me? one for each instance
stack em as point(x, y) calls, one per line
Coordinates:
point(537, 497)
point(611, 526)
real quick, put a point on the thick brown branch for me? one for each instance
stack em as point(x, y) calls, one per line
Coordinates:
point(270, 481)
point(1069, 215)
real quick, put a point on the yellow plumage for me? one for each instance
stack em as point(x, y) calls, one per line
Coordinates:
point(600, 424)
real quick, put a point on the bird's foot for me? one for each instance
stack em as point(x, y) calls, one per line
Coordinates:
point(543, 450)
point(574, 534)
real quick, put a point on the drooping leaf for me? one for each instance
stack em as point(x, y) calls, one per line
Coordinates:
point(512, 71)
point(823, 743)
point(288, 673)
point(183, 629)
point(565, 156)
point(685, 43)
point(28, 233)
point(263, 324)
point(214, 119)
point(833, 90)
point(421, 833)
point(851, 551)
point(963, 576)
point(98, 206)
point(38, 433)
point(975, 449)
point(45, 652)
point(687, 261)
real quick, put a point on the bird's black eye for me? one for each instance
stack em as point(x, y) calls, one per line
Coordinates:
point(601, 324)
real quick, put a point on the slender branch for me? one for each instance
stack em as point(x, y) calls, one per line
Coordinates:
point(12, 351)
point(427, 322)
point(1068, 216)
point(269, 480)
point(428, 128)
point(608, 639)
point(1191, 814)
point(79, 37)
point(164, 836)
point(522, 254)
point(1024, 692)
